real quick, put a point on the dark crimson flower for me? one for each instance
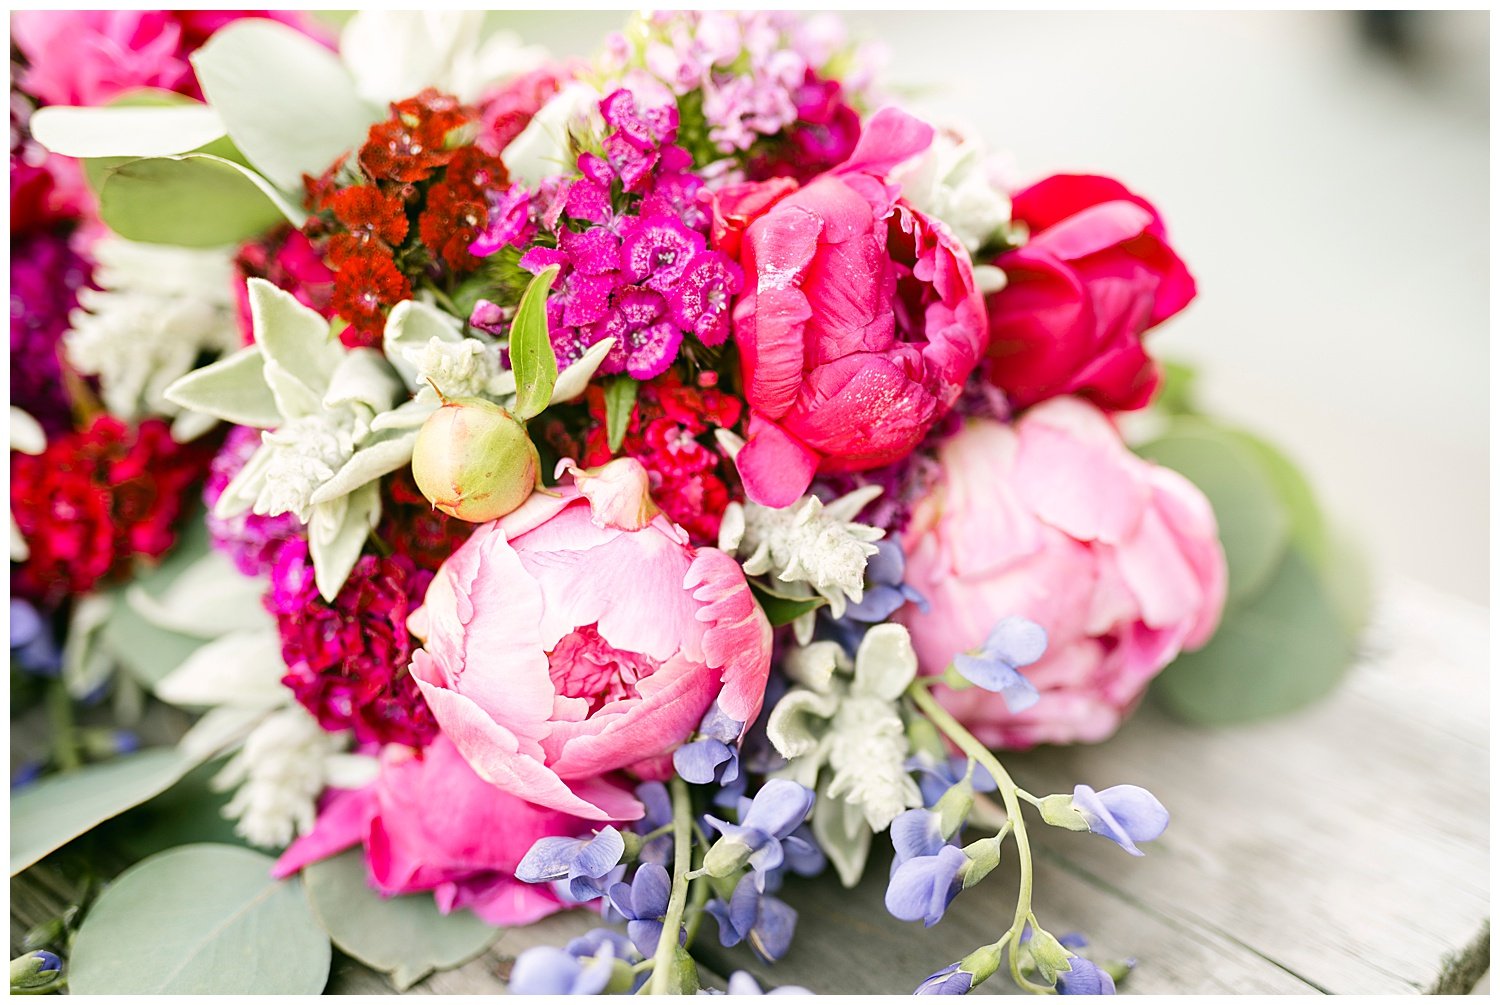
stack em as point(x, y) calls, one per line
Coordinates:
point(412, 527)
point(373, 219)
point(96, 499)
point(346, 661)
point(364, 288)
point(45, 277)
point(289, 260)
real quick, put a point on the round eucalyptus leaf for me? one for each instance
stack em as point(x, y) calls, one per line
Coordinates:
point(200, 919)
point(191, 200)
point(406, 937)
point(1254, 524)
point(1284, 649)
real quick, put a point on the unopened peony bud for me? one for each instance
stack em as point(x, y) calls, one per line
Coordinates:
point(473, 460)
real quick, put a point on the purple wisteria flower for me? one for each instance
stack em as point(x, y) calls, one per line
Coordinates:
point(765, 835)
point(935, 777)
point(582, 868)
point(547, 970)
point(951, 980)
point(1013, 643)
point(927, 872)
point(1126, 814)
point(714, 756)
point(32, 646)
point(643, 904)
point(885, 589)
point(753, 916)
point(592, 943)
point(1086, 978)
point(741, 983)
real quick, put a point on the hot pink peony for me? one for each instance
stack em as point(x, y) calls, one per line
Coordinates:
point(862, 321)
point(429, 823)
point(581, 635)
point(1054, 520)
point(1095, 275)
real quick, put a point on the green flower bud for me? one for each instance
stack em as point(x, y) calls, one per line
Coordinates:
point(474, 461)
point(1050, 956)
point(1059, 811)
point(984, 856)
point(727, 857)
point(35, 973)
point(954, 806)
point(982, 963)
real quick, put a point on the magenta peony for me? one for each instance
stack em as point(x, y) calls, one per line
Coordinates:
point(860, 324)
point(581, 635)
point(1095, 275)
point(1054, 520)
point(429, 823)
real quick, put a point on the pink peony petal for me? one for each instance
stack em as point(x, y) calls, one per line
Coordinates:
point(775, 468)
point(341, 824)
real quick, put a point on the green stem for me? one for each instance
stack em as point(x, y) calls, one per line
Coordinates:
point(697, 897)
point(682, 860)
point(1010, 793)
point(60, 717)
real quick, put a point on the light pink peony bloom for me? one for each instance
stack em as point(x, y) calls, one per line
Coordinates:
point(861, 322)
point(430, 823)
point(1054, 520)
point(562, 647)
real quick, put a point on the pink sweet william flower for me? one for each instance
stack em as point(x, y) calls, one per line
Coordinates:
point(1095, 275)
point(429, 823)
point(562, 646)
point(861, 322)
point(1053, 519)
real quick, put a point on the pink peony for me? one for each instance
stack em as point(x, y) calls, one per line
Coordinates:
point(1095, 275)
point(562, 646)
point(1054, 520)
point(429, 823)
point(862, 321)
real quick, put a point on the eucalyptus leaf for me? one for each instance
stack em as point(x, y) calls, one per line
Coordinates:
point(406, 937)
point(192, 200)
point(1254, 525)
point(48, 814)
point(1307, 527)
point(200, 919)
point(531, 354)
point(619, 405)
point(132, 131)
point(233, 389)
point(783, 610)
point(1285, 648)
point(284, 99)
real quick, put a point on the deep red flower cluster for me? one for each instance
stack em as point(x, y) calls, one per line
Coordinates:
point(412, 527)
point(671, 434)
point(412, 201)
point(346, 661)
point(95, 500)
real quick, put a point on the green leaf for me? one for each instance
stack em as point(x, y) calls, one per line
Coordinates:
point(531, 355)
point(1178, 388)
point(1306, 524)
point(149, 652)
point(284, 99)
point(128, 131)
point(233, 389)
point(406, 937)
point(190, 812)
point(193, 201)
point(782, 610)
point(200, 919)
point(47, 815)
point(1253, 523)
point(619, 404)
point(1285, 648)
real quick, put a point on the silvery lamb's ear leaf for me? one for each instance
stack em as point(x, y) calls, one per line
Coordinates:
point(293, 335)
point(799, 720)
point(289, 121)
point(294, 399)
point(187, 426)
point(239, 495)
point(407, 415)
point(242, 668)
point(206, 599)
point(410, 325)
point(337, 534)
point(26, 434)
point(363, 377)
point(886, 663)
point(376, 458)
point(814, 665)
point(843, 835)
point(218, 729)
point(233, 389)
point(575, 379)
point(153, 131)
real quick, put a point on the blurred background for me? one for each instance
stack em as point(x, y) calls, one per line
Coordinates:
point(1326, 177)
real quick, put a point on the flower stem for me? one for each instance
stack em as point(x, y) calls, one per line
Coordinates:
point(1010, 793)
point(682, 860)
point(60, 718)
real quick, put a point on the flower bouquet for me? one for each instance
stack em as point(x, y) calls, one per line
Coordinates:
point(498, 486)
